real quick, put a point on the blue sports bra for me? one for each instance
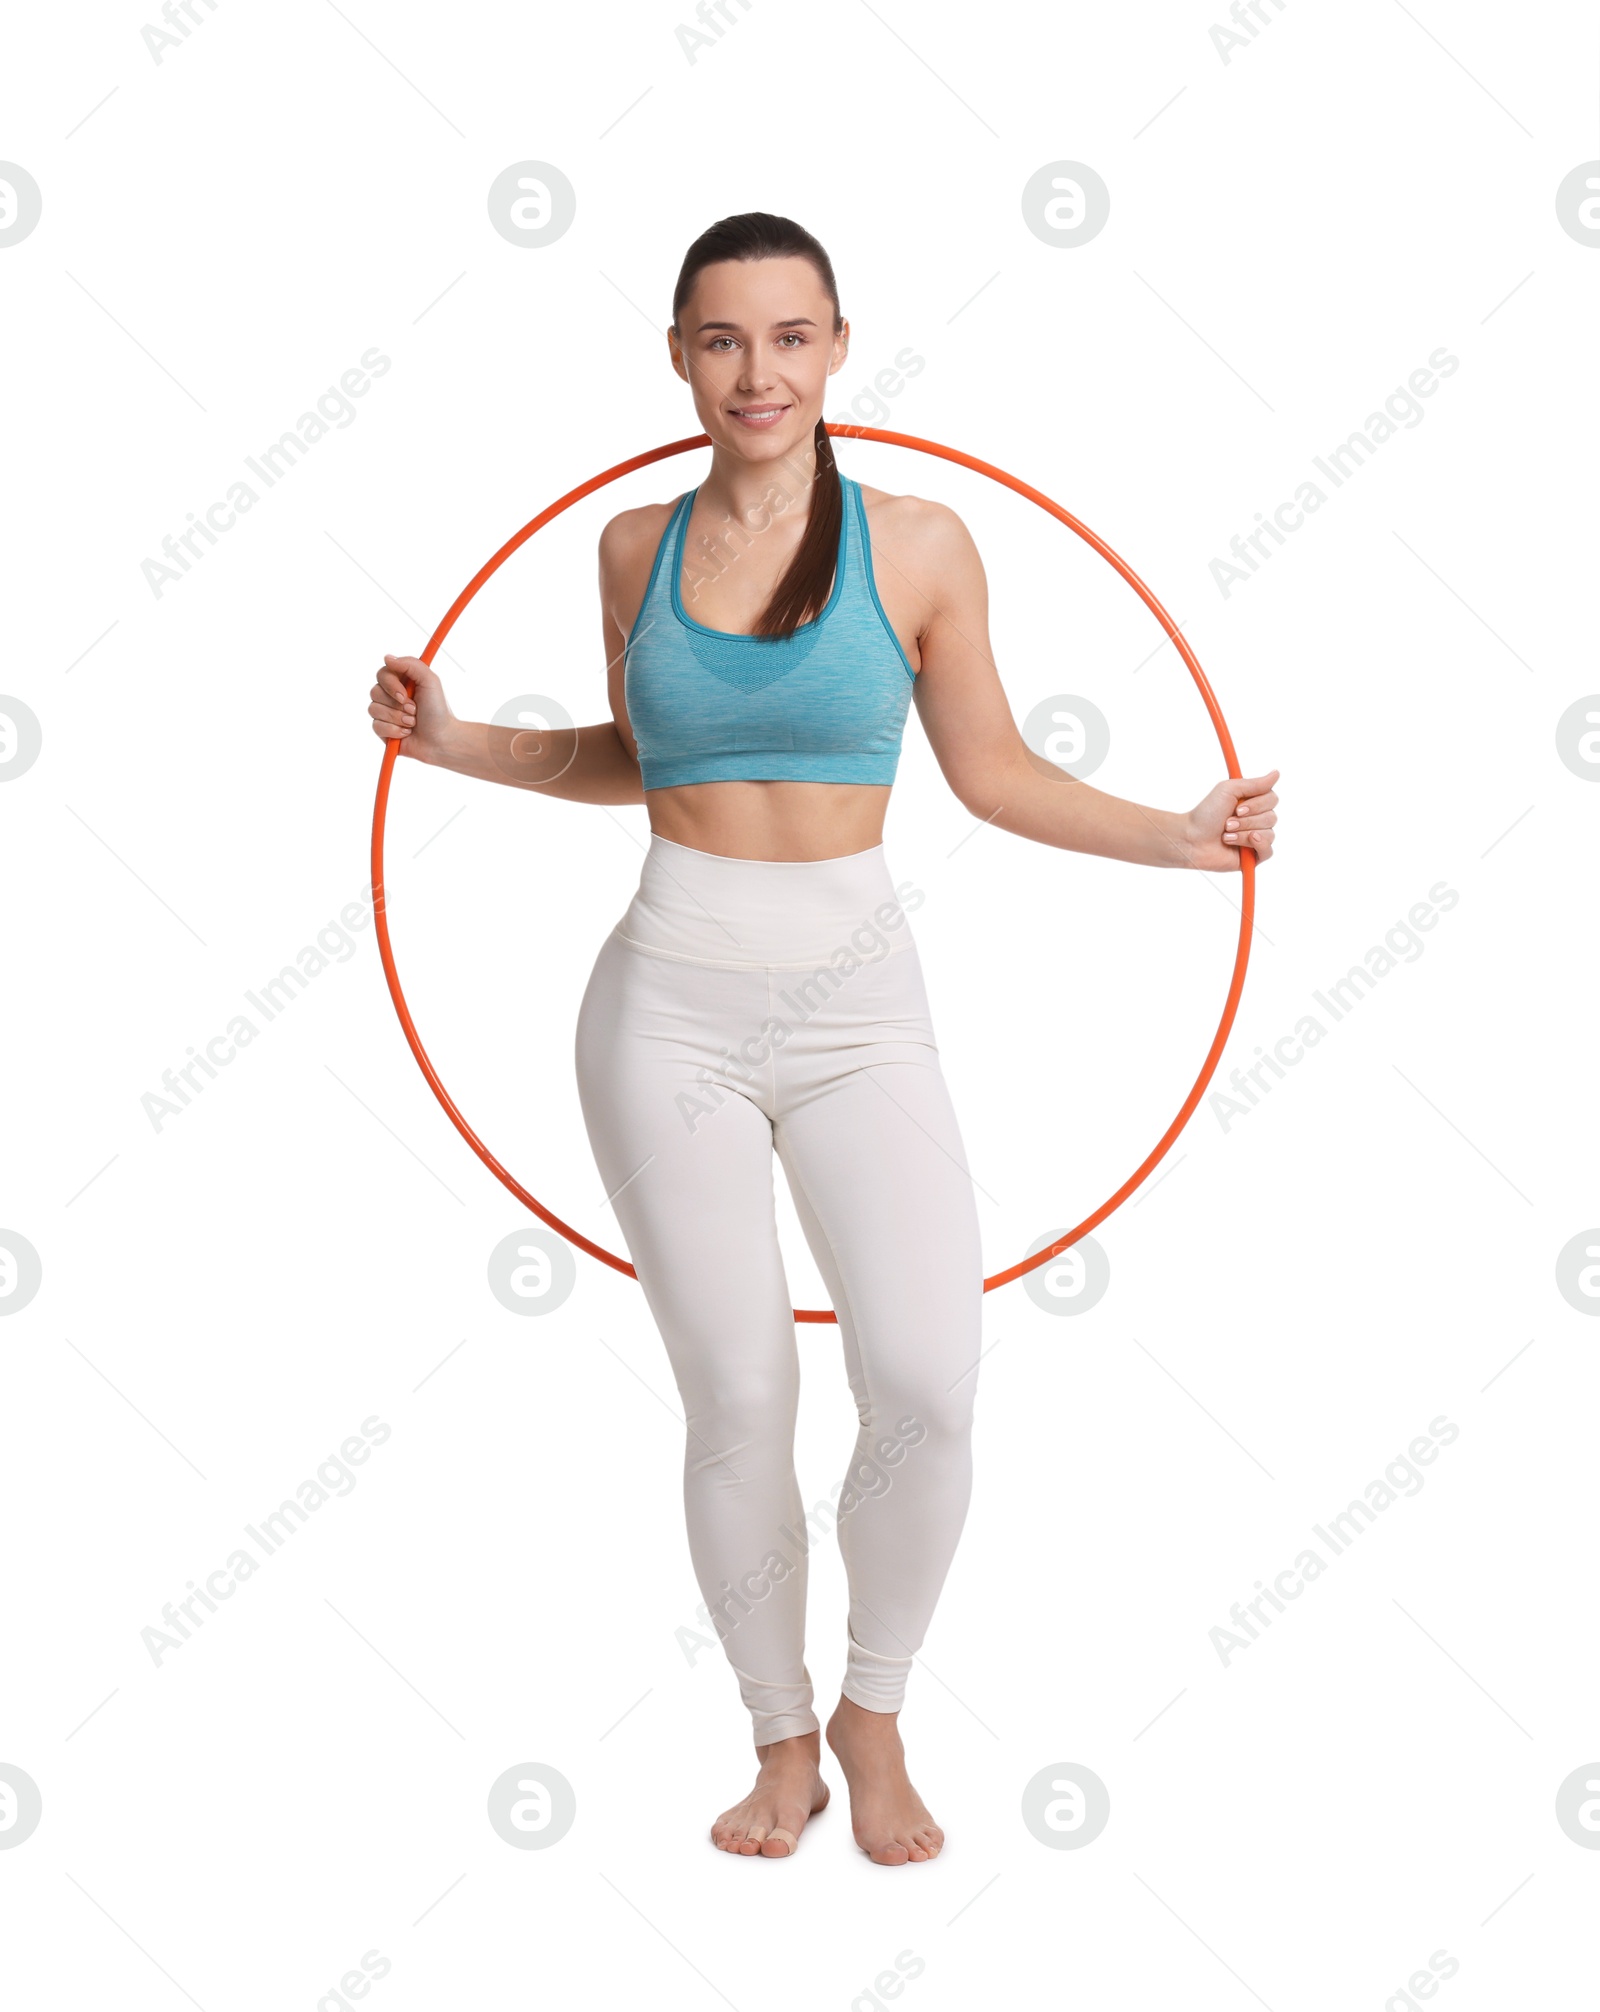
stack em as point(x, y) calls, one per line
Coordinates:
point(825, 704)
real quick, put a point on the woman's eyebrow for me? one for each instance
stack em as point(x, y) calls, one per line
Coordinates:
point(794, 321)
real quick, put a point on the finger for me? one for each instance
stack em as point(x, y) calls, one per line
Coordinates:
point(1263, 823)
point(1257, 802)
point(394, 685)
point(390, 733)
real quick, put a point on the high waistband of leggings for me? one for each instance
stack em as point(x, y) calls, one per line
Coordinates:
point(786, 914)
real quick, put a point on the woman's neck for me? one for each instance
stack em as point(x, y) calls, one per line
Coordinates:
point(754, 492)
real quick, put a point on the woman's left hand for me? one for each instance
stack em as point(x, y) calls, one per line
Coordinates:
point(1240, 811)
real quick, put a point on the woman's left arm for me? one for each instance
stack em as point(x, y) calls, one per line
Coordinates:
point(991, 769)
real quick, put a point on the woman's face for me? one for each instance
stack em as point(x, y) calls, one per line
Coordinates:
point(757, 347)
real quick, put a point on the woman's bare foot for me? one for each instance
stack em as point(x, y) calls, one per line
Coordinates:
point(789, 1789)
point(890, 1820)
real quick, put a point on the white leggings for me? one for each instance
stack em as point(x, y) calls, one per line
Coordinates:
point(743, 1006)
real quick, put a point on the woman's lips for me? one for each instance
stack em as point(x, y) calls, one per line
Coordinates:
point(758, 415)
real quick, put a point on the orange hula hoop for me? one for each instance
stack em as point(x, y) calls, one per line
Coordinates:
point(1247, 859)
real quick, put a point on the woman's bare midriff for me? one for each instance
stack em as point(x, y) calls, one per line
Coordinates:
point(771, 820)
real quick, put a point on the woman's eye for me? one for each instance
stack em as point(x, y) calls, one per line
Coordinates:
point(790, 335)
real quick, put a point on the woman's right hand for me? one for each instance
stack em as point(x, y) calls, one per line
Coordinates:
point(420, 722)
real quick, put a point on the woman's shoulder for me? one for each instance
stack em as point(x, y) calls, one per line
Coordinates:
point(629, 541)
point(917, 526)
point(641, 524)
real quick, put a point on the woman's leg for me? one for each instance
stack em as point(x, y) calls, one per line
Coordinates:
point(683, 1143)
point(871, 1146)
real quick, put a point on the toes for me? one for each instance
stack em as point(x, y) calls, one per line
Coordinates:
point(751, 1840)
point(780, 1842)
point(915, 1847)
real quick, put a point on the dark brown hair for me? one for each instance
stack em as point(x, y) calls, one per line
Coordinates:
point(804, 589)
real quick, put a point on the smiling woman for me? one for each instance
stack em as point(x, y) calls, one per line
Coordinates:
point(762, 734)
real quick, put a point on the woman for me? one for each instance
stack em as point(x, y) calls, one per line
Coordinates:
point(762, 992)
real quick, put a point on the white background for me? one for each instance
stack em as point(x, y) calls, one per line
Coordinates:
point(1294, 1296)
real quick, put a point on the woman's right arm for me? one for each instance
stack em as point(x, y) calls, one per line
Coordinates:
point(593, 764)
point(584, 764)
